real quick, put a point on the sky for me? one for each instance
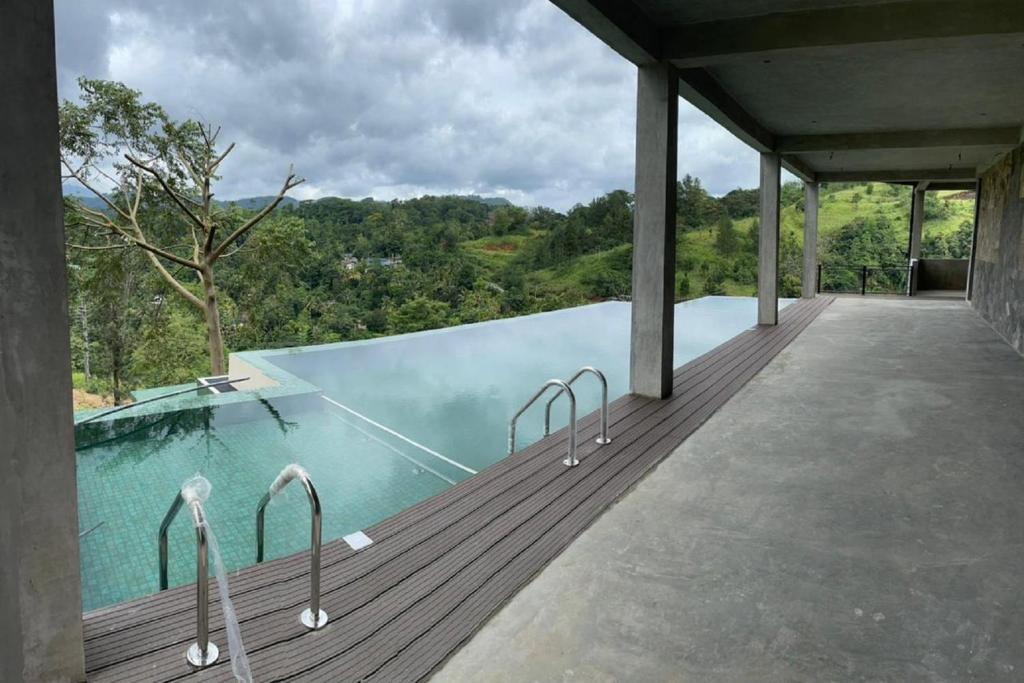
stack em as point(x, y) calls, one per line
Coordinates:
point(391, 98)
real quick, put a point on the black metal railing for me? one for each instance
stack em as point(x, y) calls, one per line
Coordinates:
point(845, 278)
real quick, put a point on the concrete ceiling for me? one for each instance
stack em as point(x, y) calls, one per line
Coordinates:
point(887, 89)
point(669, 12)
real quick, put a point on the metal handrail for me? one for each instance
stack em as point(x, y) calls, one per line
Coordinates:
point(202, 652)
point(603, 439)
point(864, 271)
point(312, 617)
point(570, 459)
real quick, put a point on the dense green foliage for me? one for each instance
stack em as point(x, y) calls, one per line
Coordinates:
point(337, 269)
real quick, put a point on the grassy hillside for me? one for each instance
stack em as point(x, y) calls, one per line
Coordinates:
point(606, 273)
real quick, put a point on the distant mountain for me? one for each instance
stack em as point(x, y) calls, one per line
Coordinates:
point(249, 203)
point(90, 201)
point(256, 203)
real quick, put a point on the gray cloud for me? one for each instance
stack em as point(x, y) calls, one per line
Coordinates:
point(391, 99)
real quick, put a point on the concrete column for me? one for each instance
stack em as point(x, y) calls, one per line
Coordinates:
point(654, 232)
point(969, 294)
point(810, 275)
point(916, 222)
point(40, 586)
point(768, 241)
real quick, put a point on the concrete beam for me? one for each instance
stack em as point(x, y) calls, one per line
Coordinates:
point(908, 139)
point(897, 175)
point(937, 185)
point(651, 359)
point(810, 271)
point(768, 241)
point(908, 24)
point(40, 584)
point(620, 24)
point(798, 168)
point(916, 222)
point(704, 92)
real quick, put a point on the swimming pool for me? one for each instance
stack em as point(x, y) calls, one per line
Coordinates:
point(380, 425)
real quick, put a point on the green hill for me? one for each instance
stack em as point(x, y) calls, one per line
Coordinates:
point(847, 213)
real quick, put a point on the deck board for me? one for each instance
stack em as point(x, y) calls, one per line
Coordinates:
point(437, 570)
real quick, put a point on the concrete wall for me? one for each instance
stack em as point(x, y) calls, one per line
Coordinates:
point(40, 586)
point(944, 273)
point(998, 293)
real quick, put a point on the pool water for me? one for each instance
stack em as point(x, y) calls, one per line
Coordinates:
point(395, 421)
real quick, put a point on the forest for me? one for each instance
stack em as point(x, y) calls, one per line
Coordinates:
point(166, 279)
point(336, 269)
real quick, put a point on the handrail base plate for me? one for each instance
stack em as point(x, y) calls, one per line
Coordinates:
point(308, 621)
point(195, 655)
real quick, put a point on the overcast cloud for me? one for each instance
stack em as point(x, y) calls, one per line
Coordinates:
point(391, 98)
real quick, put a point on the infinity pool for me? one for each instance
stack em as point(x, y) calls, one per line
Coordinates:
point(380, 425)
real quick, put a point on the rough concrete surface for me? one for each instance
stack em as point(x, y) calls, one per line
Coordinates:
point(999, 249)
point(853, 514)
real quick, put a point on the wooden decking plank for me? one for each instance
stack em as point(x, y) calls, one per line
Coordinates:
point(275, 626)
point(390, 576)
point(97, 619)
point(161, 625)
point(428, 652)
point(642, 455)
point(164, 641)
point(556, 470)
point(304, 656)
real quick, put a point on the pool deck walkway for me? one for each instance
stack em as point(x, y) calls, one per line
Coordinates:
point(437, 571)
point(853, 514)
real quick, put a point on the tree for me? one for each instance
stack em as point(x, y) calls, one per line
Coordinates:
point(740, 203)
point(695, 208)
point(715, 283)
point(155, 167)
point(683, 285)
point(725, 236)
point(419, 314)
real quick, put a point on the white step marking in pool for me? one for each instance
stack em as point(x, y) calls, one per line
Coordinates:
point(397, 452)
point(400, 436)
point(357, 540)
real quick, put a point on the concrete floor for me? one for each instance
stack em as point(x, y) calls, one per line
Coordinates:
point(855, 513)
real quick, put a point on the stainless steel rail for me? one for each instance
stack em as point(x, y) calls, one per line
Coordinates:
point(570, 458)
point(202, 652)
point(312, 617)
point(603, 438)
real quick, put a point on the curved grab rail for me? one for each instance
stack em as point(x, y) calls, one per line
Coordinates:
point(312, 617)
point(603, 439)
point(202, 652)
point(570, 458)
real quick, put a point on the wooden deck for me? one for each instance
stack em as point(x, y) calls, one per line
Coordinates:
point(438, 570)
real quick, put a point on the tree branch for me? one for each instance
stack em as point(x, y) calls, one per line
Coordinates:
point(289, 182)
point(81, 180)
point(170, 193)
point(85, 247)
point(173, 282)
point(216, 162)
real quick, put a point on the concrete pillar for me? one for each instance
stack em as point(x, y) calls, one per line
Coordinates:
point(969, 294)
point(810, 275)
point(916, 222)
point(654, 232)
point(40, 585)
point(768, 241)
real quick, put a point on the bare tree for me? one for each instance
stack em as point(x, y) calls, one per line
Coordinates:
point(113, 139)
